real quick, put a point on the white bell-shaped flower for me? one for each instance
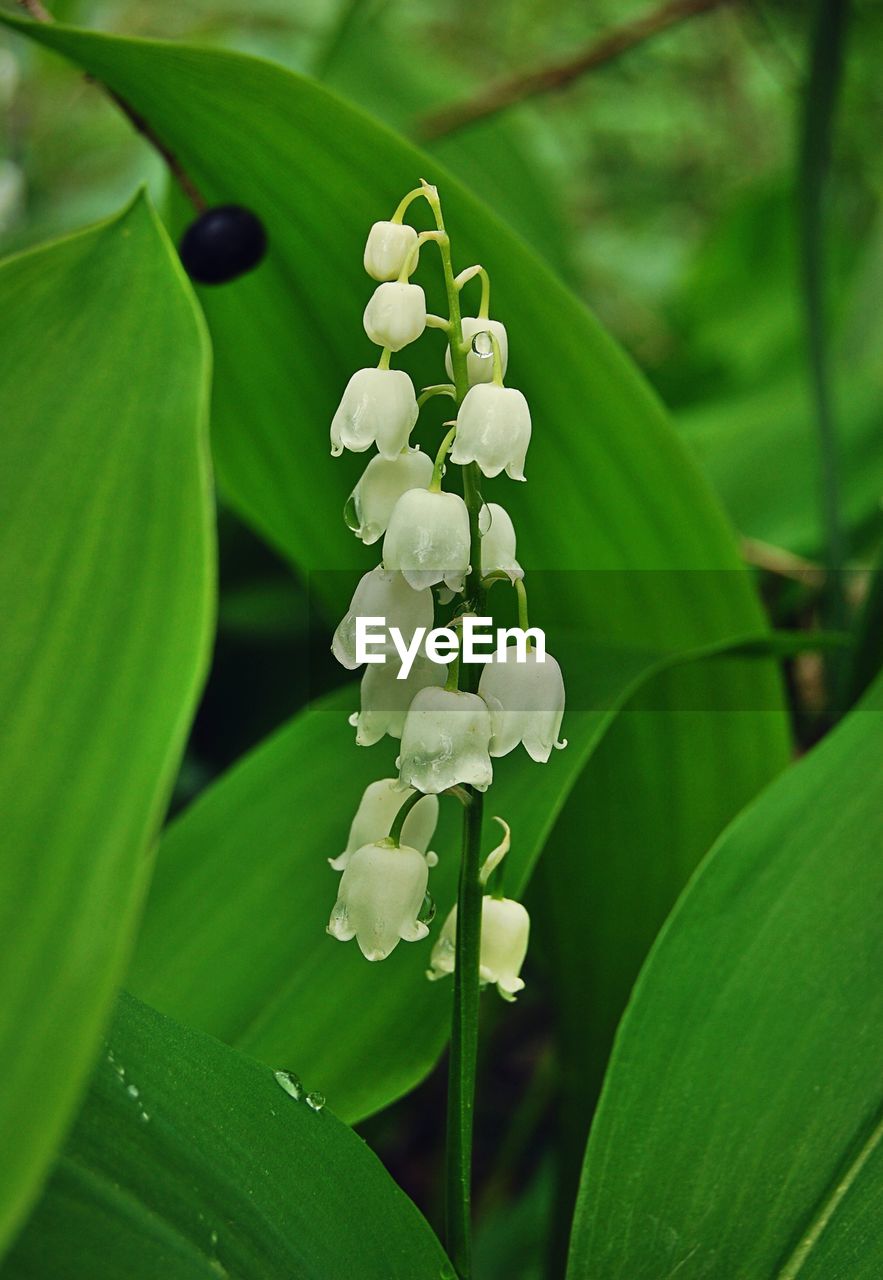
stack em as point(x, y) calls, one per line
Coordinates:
point(493, 429)
point(378, 407)
point(428, 539)
point(395, 314)
point(377, 809)
point(505, 930)
point(380, 898)
point(526, 702)
point(498, 542)
point(388, 249)
point(383, 482)
point(382, 593)
point(445, 741)
point(480, 368)
point(386, 700)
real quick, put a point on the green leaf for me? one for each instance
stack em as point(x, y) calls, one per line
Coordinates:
point(189, 1161)
point(106, 588)
point(234, 936)
point(738, 1131)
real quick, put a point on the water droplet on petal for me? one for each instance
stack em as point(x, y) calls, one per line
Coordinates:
point(482, 345)
point(351, 514)
point(315, 1101)
point(426, 914)
point(291, 1083)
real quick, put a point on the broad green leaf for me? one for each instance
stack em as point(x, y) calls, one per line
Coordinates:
point(610, 487)
point(106, 588)
point(739, 1128)
point(234, 936)
point(189, 1161)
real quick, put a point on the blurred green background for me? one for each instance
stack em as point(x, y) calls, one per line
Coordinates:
point(662, 188)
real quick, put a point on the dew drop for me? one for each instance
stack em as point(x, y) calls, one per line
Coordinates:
point(214, 1238)
point(315, 1101)
point(145, 1117)
point(482, 345)
point(426, 915)
point(351, 514)
point(133, 1091)
point(291, 1083)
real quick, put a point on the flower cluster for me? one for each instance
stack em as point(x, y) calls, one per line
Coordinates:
point(441, 548)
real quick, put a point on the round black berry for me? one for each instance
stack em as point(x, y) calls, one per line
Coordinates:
point(222, 243)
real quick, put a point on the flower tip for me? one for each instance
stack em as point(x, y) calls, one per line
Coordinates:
point(559, 746)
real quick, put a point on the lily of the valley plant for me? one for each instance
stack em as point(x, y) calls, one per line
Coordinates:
point(454, 722)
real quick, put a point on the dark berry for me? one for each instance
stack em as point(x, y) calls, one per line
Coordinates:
point(222, 243)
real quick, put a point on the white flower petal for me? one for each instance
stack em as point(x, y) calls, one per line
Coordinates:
point(379, 898)
point(383, 482)
point(498, 543)
point(388, 249)
point(427, 539)
point(395, 314)
point(378, 407)
point(386, 700)
point(382, 593)
point(493, 429)
point(445, 741)
point(526, 702)
point(505, 932)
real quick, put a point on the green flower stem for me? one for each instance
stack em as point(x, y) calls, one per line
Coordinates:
point(438, 469)
point(405, 203)
point(395, 831)
point(521, 593)
point(464, 1022)
point(440, 389)
point(469, 274)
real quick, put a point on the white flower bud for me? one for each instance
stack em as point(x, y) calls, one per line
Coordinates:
point(428, 539)
point(445, 741)
point(395, 314)
point(383, 482)
point(383, 594)
point(481, 368)
point(526, 701)
point(377, 809)
point(389, 246)
point(498, 542)
point(386, 700)
point(505, 929)
point(493, 429)
point(378, 407)
point(380, 896)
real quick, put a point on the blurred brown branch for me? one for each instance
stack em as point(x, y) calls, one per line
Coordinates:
point(556, 75)
point(36, 10)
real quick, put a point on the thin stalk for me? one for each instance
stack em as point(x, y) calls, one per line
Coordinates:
point(465, 1014)
point(464, 1047)
point(820, 101)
